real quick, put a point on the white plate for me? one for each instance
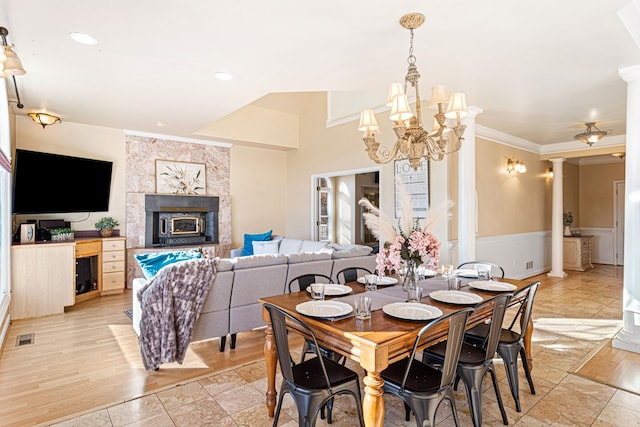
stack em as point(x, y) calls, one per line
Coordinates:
point(466, 272)
point(412, 311)
point(456, 297)
point(490, 285)
point(384, 281)
point(332, 290)
point(324, 308)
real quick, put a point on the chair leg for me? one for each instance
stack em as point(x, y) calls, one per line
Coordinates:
point(472, 379)
point(527, 369)
point(509, 354)
point(222, 343)
point(505, 421)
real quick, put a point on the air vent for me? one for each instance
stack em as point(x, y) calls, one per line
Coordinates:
point(25, 339)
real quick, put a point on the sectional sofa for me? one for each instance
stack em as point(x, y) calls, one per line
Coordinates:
point(232, 303)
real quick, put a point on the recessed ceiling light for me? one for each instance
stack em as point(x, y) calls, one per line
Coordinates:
point(83, 38)
point(223, 76)
point(161, 123)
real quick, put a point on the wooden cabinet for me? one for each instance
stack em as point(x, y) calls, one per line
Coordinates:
point(42, 279)
point(47, 277)
point(577, 253)
point(113, 265)
point(89, 252)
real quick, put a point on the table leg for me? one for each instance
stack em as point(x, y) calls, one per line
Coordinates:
point(373, 404)
point(527, 342)
point(271, 360)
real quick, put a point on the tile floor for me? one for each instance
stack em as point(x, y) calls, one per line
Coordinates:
point(573, 317)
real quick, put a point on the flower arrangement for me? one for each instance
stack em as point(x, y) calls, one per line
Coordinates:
point(409, 242)
point(567, 218)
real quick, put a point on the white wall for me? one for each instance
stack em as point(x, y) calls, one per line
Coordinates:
point(82, 141)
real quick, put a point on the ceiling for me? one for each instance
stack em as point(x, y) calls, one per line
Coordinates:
point(537, 69)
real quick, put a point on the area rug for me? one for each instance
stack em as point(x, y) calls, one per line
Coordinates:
point(611, 366)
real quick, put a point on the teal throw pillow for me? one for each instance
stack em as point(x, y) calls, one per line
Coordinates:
point(152, 263)
point(247, 249)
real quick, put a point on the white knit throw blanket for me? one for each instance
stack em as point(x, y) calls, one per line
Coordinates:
point(170, 304)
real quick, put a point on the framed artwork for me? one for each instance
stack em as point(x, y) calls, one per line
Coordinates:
point(27, 233)
point(416, 183)
point(180, 178)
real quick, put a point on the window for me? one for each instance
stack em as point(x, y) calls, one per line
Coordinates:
point(5, 203)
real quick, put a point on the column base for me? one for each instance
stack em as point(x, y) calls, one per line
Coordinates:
point(626, 341)
point(557, 274)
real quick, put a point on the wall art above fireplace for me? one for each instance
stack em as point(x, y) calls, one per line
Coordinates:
point(180, 178)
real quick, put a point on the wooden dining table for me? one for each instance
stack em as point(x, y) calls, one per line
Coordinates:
point(374, 343)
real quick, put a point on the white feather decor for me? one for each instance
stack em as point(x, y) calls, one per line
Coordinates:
point(411, 240)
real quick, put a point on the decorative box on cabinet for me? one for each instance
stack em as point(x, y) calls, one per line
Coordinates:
point(577, 253)
point(113, 265)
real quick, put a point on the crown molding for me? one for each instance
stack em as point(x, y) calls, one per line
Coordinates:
point(177, 138)
point(507, 139)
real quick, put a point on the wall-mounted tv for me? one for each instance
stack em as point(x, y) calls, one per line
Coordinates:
point(53, 183)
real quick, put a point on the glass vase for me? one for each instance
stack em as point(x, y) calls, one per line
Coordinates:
point(410, 275)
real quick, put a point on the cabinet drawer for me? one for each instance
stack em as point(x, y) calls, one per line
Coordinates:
point(113, 245)
point(108, 267)
point(112, 256)
point(112, 281)
point(87, 248)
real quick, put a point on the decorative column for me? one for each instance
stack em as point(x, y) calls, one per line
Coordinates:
point(629, 337)
point(557, 255)
point(467, 206)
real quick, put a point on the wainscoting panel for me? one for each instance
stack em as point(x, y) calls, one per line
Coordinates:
point(603, 250)
point(521, 255)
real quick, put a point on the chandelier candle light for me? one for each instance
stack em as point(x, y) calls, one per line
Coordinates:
point(414, 142)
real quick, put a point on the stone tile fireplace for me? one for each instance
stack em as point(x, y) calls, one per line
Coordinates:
point(141, 154)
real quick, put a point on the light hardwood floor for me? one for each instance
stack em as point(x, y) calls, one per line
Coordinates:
point(85, 368)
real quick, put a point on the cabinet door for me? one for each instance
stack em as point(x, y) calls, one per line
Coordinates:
point(42, 279)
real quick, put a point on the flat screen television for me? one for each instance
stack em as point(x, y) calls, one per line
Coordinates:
point(54, 183)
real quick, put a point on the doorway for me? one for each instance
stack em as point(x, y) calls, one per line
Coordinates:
point(338, 217)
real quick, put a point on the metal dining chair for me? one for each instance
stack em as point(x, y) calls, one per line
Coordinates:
point(422, 387)
point(351, 274)
point(511, 342)
point(313, 383)
point(496, 270)
point(476, 361)
point(303, 281)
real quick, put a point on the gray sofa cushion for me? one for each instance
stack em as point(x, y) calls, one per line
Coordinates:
point(225, 264)
point(290, 246)
point(258, 261)
point(350, 251)
point(312, 246)
point(308, 256)
point(268, 247)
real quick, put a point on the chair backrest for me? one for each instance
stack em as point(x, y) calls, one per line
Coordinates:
point(496, 270)
point(457, 325)
point(351, 274)
point(281, 337)
point(303, 281)
point(526, 297)
point(500, 304)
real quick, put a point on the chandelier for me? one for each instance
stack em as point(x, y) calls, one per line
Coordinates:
point(413, 141)
point(591, 134)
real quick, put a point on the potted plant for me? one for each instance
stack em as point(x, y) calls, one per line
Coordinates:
point(567, 220)
point(105, 225)
point(58, 234)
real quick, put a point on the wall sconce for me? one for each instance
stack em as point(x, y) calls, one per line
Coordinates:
point(44, 119)
point(515, 166)
point(550, 173)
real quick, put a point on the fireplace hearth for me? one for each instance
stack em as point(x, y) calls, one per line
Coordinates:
point(177, 220)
